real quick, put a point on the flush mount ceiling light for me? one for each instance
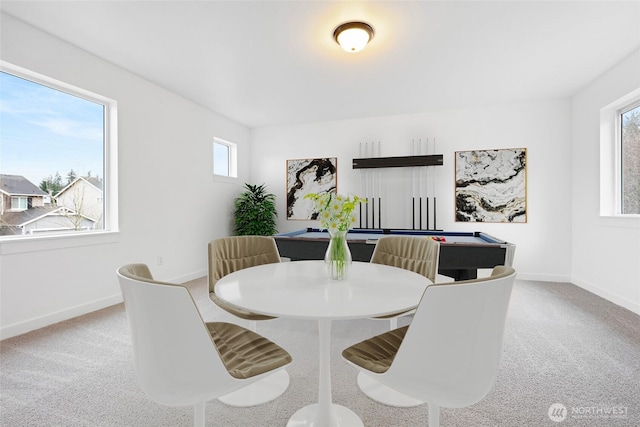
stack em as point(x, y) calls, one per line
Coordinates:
point(353, 36)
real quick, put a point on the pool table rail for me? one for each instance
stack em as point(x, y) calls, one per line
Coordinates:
point(459, 259)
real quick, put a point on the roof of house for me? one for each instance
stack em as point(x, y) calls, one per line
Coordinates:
point(18, 185)
point(93, 180)
point(20, 218)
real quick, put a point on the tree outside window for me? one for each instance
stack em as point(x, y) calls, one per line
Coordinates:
point(630, 160)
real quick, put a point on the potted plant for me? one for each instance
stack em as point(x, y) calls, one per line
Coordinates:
point(255, 212)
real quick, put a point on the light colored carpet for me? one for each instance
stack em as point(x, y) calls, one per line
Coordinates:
point(562, 345)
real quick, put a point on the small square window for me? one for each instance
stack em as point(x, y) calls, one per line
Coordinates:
point(224, 158)
point(220, 159)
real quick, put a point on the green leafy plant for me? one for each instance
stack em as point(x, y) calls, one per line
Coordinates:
point(255, 212)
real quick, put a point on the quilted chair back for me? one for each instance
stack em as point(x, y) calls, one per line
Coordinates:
point(230, 254)
point(418, 254)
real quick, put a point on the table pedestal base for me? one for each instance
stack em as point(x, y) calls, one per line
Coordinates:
point(383, 394)
point(262, 391)
point(340, 417)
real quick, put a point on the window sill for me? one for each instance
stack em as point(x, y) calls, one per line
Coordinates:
point(225, 179)
point(620, 221)
point(20, 245)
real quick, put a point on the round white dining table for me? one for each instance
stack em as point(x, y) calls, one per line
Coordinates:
point(303, 290)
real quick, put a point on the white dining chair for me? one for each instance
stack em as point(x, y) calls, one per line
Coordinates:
point(179, 359)
point(449, 355)
point(230, 254)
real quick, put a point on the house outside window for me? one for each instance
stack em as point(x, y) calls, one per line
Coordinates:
point(58, 145)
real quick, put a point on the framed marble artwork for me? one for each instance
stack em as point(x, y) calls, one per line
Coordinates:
point(306, 176)
point(491, 185)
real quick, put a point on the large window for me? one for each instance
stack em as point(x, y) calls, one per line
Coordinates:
point(629, 121)
point(620, 157)
point(57, 145)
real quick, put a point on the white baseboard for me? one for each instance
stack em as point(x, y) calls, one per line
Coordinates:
point(49, 319)
point(616, 299)
point(188, 277)
point(543, 277)
point(79, 310)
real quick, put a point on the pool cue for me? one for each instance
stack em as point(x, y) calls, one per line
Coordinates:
point(435, 227)
point(413, 198)
point(379, 179)
point(413, 212)
point(361, 183)
point(366, 211)
point(366, 215)
point(426, 187)
point(379, 212)
point(370, 188)
point(420, 187)
point(366, 188)
point(413, 191)
point(373, 212)
point(427, 212)
point(374, 184)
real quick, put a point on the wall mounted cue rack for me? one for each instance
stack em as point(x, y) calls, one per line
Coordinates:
point(412, 161)
point(398, 162)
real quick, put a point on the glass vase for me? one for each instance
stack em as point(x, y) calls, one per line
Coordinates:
point(338, 256)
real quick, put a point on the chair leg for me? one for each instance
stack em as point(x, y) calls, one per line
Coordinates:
point(198, 414)
point(434, 415)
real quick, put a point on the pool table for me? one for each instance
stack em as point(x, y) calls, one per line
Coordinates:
point(461, 253)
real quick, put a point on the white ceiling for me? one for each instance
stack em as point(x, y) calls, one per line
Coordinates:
point(267, 63)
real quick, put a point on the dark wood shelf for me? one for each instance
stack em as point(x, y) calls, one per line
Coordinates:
point(398, 162)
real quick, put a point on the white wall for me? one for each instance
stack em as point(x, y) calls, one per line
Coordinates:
point(605, 250)
point(543, 243)
point(169, 203)
point(170, 206)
